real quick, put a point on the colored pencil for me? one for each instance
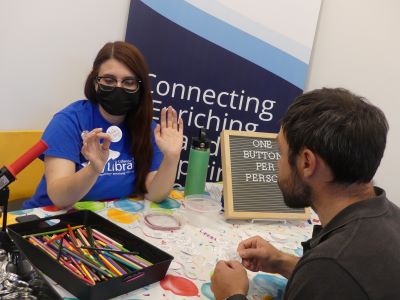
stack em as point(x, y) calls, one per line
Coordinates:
point(110, 250)
point(56, 237)
point(87, 273)
point(59, 248)
point(73, 238)
point(83, 260)
point(90, 236)
point(108, 238)
point(44, 247)
point(110, 266)
point(52, 254)
point(82, 236)
point(124, 261)
point(137, 259)
point(88, 253)
point(50, 232)
point(116, 265)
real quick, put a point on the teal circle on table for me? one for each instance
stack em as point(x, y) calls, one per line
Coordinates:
point(206, 291)
point(128, 205)
point(89, 205)
point(167, 204)
point(270, 284)
point(21, 212)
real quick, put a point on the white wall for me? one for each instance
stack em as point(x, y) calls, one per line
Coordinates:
point(47, 46)
point(357, 46)
point(46, 51)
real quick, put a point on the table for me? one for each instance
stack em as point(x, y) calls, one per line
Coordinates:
point(202, 240)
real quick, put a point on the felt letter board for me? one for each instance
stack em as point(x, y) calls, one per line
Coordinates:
point(250, 177)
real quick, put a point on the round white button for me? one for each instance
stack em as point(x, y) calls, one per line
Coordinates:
point(115, 132)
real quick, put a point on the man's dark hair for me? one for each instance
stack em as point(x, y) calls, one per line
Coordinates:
point(344, 129)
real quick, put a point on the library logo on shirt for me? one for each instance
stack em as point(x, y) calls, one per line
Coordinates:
point(117, 166)
point(113, 166)
point(122, 167)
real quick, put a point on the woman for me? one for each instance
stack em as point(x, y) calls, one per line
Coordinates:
point(108, 146)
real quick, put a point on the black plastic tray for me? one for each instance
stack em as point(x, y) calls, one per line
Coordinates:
point(104, 290)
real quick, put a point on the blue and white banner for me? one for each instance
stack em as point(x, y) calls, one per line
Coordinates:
point(224, 64)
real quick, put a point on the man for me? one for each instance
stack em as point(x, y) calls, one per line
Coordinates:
point(331, 143)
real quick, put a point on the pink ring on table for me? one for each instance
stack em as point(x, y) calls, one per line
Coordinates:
point(150, 220)
point(202, 203)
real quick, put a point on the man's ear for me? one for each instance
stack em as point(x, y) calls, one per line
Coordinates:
point(307, 163)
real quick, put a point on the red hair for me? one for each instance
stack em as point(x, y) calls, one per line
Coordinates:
point(138, 122)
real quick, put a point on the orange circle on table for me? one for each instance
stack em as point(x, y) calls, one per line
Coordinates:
point(121, 216)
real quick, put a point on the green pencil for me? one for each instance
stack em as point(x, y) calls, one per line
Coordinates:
point(51, 232)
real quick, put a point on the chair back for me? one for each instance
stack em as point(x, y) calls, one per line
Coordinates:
point(12, 145)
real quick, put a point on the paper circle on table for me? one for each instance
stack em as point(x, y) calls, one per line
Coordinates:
point(166, 204)
point(179, 286)
point(89, 205)
point(202, 203)
point(115, 132)
point(122, 216)
point(128, 205)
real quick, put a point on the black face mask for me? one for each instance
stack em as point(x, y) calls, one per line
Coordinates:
point(118, 102)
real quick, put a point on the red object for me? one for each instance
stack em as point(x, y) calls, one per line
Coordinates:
point(51, 208)
point(179, 286)
point(25, 159)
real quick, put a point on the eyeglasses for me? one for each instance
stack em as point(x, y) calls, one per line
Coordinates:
point(107, 84)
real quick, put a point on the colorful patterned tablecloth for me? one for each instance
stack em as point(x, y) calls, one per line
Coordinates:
point(202, 240)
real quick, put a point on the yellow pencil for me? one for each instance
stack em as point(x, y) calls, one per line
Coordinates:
point(109, 265)
point(87, 273)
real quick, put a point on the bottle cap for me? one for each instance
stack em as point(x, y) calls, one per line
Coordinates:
point(201, 141)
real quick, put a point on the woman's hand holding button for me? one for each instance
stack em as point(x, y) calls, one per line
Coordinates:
point(95, 148)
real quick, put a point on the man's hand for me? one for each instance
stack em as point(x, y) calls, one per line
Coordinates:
point(229, 278)
point(259, 255)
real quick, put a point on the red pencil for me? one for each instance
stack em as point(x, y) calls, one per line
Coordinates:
point(56, 237)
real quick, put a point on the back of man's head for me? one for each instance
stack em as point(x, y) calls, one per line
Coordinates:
point(346, 131)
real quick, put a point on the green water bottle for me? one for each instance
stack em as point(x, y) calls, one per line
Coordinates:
point(198, 164)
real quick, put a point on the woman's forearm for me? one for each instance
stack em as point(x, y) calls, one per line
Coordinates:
point(162, 183)
point(66, 191)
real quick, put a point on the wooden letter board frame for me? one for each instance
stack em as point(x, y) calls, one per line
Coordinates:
point(279, 211)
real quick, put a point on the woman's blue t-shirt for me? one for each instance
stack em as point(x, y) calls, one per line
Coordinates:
point(64, 138)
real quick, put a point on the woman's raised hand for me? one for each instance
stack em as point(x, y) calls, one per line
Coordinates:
point(169, 133)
